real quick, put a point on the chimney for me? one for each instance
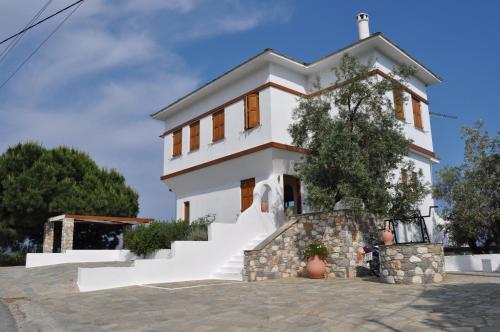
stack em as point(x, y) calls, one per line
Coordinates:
point(363, 27)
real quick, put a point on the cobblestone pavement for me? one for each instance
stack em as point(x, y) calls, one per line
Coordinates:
point(45, 299)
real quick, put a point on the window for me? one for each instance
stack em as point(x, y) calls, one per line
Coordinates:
point(398, 103)
point(177, 143)
point(218, 126)
point(186, 212)
point(247, 193)
point(252, 111)
point(404, 176)
point(194, 136)
point(417, 114)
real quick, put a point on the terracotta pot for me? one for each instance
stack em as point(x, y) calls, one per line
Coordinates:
point(264, 207)
point(316, 267)
point(387, 237)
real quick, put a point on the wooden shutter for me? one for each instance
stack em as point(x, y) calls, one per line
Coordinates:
point(404, 176)
point(194, 136)
point(177, 143)
point(247, 187)
point(398, 104)
point(252, 111)
point(417, 114)
point(218, 126)
point(414, 179)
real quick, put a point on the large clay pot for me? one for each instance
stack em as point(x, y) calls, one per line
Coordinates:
point(316, 267)
point(387, 237)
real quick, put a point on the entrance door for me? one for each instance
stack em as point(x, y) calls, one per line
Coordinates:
point(291, 194)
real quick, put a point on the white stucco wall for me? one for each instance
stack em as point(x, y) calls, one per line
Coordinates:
point(87, 256)
point(473, 263)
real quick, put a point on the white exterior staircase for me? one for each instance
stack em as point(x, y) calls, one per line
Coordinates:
point(233, 268)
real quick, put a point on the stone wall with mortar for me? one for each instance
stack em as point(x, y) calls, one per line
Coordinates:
point(415, 263)
point(48, 237)
point(281, 254)
point(68, 227)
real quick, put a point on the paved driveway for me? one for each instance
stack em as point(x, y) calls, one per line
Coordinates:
point(45, 299)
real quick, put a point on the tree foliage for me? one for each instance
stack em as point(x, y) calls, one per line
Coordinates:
point(471, 192)
point(355, 144)
point(37, 183)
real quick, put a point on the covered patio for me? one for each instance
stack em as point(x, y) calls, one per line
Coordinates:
point(66, 224)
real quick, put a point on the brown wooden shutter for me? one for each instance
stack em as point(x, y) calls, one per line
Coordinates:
point(252, 111)
point(177, 143)
point(417, 114)
point(404, 176)
point(194, 136)
point(247, 187)
point(218, 126)
point(398, 104)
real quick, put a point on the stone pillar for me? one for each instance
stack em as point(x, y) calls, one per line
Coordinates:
point(415, 263)
point(48, 237)
point(68, 226)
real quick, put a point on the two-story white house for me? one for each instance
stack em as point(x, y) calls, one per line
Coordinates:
point(230, 134)
point(228, 152)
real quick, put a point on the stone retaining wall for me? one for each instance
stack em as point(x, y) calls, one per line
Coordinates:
point(412, 263)
point(280, 255)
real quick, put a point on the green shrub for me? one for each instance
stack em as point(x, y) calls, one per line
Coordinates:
point(144, 240)
point(316, 248)
point(17, 258)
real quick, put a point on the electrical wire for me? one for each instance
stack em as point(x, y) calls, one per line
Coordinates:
point(14, 41)
point(41, 21)
point(41, 44)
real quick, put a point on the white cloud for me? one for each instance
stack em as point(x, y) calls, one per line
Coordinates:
point(94, 84)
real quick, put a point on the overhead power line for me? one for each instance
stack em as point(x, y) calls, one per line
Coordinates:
point(14, 41)
point(41, 21)
point(42, 43)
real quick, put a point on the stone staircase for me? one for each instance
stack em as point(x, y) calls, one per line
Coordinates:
point(233, 268)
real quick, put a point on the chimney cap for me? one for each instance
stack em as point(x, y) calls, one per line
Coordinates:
point(362, 17)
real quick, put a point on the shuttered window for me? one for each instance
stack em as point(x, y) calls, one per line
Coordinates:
point(194, 136)
point(177, 143)
point(417, 114)
point(247, 187)
point(252, 111)
point(218, 126)
point(404, 176)
point(398, 103)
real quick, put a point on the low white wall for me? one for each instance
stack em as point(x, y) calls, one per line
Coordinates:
point(473, 263)
point(191, 260)
point(87, 256)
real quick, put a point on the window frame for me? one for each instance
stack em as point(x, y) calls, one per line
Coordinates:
point(216, 127)
point(194, 139)
point(248, 124)
point(177, 152)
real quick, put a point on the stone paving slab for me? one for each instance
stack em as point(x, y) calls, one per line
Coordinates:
point(468, 302)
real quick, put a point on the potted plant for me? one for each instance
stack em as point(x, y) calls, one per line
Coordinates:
point(316, 253)
point(387, 237)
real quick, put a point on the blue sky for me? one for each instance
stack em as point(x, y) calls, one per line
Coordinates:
point(94, 84)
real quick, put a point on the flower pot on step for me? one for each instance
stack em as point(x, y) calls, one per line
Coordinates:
point(316, 267)
point(387, 237)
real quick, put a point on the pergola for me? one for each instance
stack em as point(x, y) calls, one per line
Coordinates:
point(68, 225)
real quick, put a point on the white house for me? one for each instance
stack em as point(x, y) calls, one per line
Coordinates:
point(231, 134)
point(227, 151)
